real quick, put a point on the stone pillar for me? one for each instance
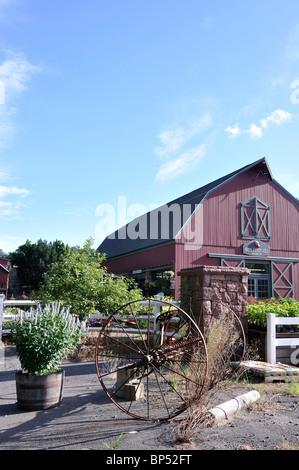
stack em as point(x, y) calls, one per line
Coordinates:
point(212, 289)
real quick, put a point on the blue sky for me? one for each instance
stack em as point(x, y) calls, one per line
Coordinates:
point(144, 100)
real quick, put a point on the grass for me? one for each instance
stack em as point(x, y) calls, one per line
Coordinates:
point(285, 445)
point(292, 388)
point(114, 445)
point(222, 339)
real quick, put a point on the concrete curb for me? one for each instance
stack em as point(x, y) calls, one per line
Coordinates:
point(222, 413)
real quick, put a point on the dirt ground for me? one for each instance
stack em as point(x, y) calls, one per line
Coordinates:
point(272, 423)
point(87, 420)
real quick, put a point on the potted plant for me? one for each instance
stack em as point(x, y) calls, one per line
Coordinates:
point(43, 337)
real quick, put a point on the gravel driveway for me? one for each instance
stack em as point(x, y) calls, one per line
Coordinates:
point(88, 420)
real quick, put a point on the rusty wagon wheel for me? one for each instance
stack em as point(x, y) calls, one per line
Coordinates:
point(151, 367)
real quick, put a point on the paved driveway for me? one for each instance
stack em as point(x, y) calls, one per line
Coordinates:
point(86, 418)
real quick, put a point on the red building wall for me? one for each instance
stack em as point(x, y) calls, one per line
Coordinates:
point(221, 224)
point(3, 275)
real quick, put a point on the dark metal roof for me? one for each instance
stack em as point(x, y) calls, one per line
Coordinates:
point(119, 243)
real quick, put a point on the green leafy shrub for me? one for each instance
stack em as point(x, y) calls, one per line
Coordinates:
point(80, 281)
point(44, 336)
point(258, 310)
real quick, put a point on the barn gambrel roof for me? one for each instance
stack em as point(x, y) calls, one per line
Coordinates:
point(120, 244)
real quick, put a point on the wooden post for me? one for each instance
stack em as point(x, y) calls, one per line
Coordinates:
point(272, 341)
point(271, 338)
point(157, 312)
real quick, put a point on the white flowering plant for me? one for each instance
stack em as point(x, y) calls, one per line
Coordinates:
point(44, 336)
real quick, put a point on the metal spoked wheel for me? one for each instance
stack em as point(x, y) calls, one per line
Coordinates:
point(151, 367)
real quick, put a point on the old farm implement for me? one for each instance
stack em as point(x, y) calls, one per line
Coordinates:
point(151, 361)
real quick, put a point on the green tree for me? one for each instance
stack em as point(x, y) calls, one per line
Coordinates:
point(80, 281)
point(3, 255)
point(32, 260)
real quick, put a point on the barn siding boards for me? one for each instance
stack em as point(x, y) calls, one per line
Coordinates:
point(4, 276)
point(214, 233)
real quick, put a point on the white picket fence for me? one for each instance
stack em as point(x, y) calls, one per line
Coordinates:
point(273, 341)
point(272, 321)
point(158, 303)
point(12, 303)
point(31, 303)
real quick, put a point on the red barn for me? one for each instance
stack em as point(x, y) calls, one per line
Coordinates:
point(4, 276)
point(245, 218)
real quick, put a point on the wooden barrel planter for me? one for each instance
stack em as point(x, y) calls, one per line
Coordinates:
point(39, 392)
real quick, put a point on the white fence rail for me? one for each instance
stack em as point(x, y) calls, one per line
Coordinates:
point(11, 303)
point(1, 314)
point(158, 304)
point(272, 321)
point(21, 303)
point(273, 341)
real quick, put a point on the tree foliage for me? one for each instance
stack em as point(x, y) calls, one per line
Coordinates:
point(32, 260)
point(3, 255)
point(80, 280)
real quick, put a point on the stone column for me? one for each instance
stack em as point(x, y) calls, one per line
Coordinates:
point(213, 289)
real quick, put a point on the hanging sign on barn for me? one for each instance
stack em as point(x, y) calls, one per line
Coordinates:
point(256, 248)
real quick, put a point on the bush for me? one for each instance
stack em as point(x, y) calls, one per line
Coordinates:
point(258, 310)
point(43, 337)
point(81, 282)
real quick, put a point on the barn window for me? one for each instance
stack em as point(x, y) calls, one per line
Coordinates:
point(255, 219)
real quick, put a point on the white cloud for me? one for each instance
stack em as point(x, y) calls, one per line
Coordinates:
point(277, 117)
point(3, 176)
point(15, 74)
point(77, 211)
point(179, 160)
point(10, 243)
point(233, 131)
point(5, 190)
point(11, 210)
point(180, 165)
point(5, 208)
point(13, 197)
point(7, 128)
point(173, 140)
point(201, 124)
point(254, 131)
